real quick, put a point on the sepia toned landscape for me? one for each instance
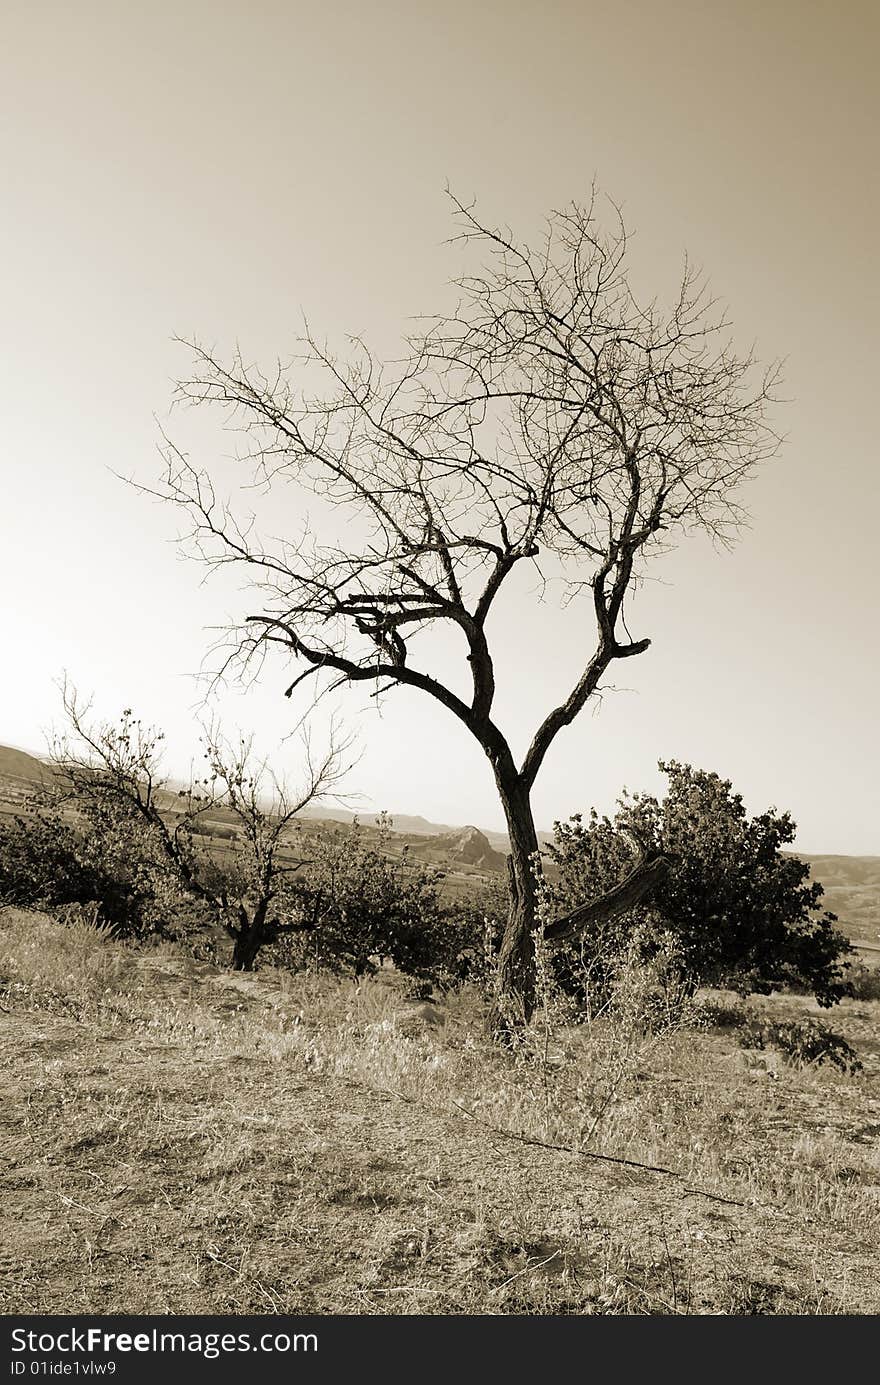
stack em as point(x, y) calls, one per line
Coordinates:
point(179, 1137)
point(439, 773)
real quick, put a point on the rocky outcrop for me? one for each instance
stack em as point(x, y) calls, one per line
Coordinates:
point(469, 847)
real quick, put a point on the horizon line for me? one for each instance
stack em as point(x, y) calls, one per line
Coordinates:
point(496, 831)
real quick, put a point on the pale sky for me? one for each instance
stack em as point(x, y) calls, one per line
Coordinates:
point(217, 170)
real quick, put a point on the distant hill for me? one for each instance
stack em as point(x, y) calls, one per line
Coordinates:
point(414, 826)
point(18, 764)
point(852, 892)
point(20, 775)
point(466, 846)
point(852, 872)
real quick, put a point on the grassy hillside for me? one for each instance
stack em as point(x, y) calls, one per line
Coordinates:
point(18, 764)
point(179, 1139)
point(852, 891)
point(20, 775)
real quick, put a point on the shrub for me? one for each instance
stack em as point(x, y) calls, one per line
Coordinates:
point(477, 926)
point(359, 905)
point(719, 1014)
point(47, 862)
point(864, 982)
point(803, 1041)
point(111, 773)
point(41, 863)
point(734, 910)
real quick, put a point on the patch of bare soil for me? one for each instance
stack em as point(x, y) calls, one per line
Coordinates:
point(143, 1175)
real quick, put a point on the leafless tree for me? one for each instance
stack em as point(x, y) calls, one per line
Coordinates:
point(551, 417)
point(111, 771)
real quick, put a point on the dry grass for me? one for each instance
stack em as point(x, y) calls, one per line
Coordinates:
point(181, 1139)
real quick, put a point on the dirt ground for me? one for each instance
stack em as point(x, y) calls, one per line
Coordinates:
point(141, 1174)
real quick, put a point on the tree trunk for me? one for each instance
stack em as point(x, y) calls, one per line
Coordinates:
point(244, 952)
point(249, 937)
point(515, 999)
point(516, 979)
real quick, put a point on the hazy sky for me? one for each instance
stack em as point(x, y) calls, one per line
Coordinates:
point(216, 169)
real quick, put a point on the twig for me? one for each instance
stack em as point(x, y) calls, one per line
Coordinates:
point(498, 1287)
point(566, 1149)
point(715, 1197)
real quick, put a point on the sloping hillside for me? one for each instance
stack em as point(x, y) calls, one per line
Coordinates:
point(852, 891)
point(20, 775)
point(179, 1139)
point(466, 846)
point(18, 764)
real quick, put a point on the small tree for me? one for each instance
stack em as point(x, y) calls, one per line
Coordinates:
point(47, 862)
point(554, 417)
point(732, 908)
point(362, 903)
point(111, 775)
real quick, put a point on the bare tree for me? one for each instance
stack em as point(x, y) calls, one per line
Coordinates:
point(112, 771)
point(554, 417)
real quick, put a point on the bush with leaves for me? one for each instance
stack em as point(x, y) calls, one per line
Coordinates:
point(865, 982)
point(48, 861)
point(477, 922)
point(41, 863)
point(807, 1042)
point(360, 903)
point(734, 911)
